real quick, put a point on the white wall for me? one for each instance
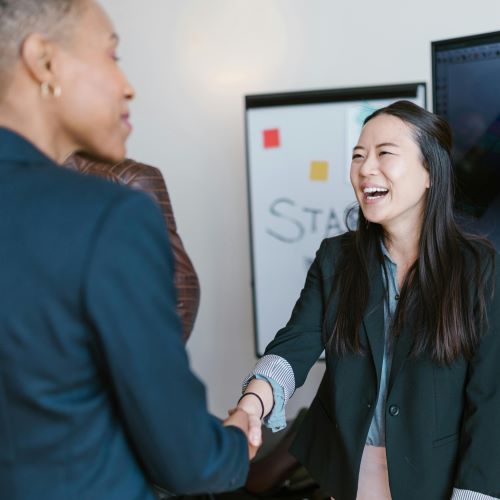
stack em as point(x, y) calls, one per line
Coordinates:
point(192, 61)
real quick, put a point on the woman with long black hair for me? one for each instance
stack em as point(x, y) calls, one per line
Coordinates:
point(406, 311)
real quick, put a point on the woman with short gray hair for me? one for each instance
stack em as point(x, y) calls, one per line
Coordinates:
point(97, 400)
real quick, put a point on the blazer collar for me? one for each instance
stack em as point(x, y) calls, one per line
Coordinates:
point(15, 147)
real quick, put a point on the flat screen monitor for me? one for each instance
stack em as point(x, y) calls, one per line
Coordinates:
point(466, 91)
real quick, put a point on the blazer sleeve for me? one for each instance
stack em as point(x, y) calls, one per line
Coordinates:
point(130, 299)
point(300, 342)
point(479, 458)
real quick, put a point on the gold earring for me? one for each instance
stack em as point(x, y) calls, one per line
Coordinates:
point(45, 89)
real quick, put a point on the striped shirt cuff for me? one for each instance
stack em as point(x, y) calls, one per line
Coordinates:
point(276, 368)
point(276, 420)
point(469, 495)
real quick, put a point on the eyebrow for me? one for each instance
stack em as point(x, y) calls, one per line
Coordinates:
point(381, 145)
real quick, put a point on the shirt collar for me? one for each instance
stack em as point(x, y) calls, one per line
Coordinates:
point(15, 147)
point(385, 252)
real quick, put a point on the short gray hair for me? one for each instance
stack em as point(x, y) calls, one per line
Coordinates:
point(20, 18)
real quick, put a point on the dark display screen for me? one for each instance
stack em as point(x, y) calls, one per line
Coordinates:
point(466, 91)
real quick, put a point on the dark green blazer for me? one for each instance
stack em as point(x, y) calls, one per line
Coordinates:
point(97, 400)
point(442, 422)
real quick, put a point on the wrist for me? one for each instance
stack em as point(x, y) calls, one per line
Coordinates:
point(252, 404)
point(250, 407)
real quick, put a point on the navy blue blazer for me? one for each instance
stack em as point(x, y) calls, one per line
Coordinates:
point(96, 396)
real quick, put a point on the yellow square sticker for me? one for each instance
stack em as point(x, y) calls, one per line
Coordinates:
point(319, 171)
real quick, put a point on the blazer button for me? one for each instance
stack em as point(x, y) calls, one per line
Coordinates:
point(394, 410)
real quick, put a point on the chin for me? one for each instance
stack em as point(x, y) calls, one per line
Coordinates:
point(108, 155)
point(115, 157)
point(370, 217)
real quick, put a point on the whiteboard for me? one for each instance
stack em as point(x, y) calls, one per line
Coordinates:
point(299, 148)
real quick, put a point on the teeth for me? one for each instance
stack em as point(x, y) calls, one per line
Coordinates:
point(370, 190)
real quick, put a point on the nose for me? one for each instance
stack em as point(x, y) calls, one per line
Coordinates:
point(128, 90)
point(369, 166)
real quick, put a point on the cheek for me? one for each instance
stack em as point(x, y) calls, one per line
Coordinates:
point(411, 187)
point(395, 171)
point(92, 121)
point(404, 177)
point(94, 84)
point(97, 92)
point(95, 103)
point(90, 108)
point(353, 174)
point(91, 116)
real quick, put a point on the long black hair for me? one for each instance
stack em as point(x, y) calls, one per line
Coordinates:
point(446, 288)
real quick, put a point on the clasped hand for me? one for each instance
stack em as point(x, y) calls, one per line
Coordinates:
point(250, 424)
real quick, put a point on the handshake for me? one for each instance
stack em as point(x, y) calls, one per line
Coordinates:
point(252, 407)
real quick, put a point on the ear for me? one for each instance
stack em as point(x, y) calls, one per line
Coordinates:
point(427, 175)
point(37, 53)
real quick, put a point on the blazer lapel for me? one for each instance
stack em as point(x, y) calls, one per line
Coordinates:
point(373, 320)
point(401, 350)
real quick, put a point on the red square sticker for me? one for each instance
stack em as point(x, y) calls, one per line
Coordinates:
point(271, 138)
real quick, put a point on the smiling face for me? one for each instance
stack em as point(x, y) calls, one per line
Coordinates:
point(93, 111)
point(388, 175)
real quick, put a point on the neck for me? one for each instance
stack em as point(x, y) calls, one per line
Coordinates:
point(39, 137)
point(33, 119)
point(403, 244)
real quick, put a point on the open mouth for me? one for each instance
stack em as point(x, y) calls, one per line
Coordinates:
point(375, 193)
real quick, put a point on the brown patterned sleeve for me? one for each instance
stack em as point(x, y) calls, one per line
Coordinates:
point(150, 180)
